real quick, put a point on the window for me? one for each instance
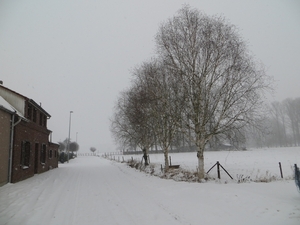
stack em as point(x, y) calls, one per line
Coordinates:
point(45, 121)
point(36, 146)
point(25, 154)
point(34, 115)
point(41, 119)
point(29, 111)
point(50, 154)
point(55, 154)
point(43, 153)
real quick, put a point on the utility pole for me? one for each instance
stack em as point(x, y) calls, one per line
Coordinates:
point(68, 144)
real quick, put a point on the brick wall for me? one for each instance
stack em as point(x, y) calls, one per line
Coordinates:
point(53, 159)
point(5, 118)
point(37, 136)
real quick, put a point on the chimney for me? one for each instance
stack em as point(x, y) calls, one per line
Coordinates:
point(1, 82)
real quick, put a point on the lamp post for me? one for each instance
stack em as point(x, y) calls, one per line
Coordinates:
point(68, 145)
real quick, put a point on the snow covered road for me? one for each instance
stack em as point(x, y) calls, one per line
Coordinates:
point(93, 190)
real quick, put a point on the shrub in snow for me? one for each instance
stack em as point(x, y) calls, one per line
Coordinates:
point(243, 179)
point(181, 174)
point(266, 178)
point(156, 170)
point(63, 157)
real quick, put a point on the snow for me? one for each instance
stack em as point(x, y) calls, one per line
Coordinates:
point(258, 164)
point(93, 190)
point(9, 107)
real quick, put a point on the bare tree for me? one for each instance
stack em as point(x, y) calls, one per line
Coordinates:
point(120, 127)
point(277, 111)
point(74, 147)
point(131, 122)
point(219, 79)
point(293, 113)
point(164, 114)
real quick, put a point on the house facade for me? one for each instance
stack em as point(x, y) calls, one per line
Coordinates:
point(30, 150)
point(5, 122)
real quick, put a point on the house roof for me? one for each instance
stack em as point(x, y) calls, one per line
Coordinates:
point(9, 108)
point(39, 107)
point(30, 100)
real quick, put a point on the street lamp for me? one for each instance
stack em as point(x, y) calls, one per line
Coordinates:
point(68, 143)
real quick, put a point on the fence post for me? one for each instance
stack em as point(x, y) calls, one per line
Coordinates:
point(218, 168)
point(226, 172)
point(280, 170)
point(170, 161)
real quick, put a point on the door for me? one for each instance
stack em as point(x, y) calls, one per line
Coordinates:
point(36, 157)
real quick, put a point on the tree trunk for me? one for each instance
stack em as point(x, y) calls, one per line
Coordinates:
point(297, 132)
point(201, 172)
point(145, 156)
point(166, 156)
point(200, 156)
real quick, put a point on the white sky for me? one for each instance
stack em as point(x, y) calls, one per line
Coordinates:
point(77, 54)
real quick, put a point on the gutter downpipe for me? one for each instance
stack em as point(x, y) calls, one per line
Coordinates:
point(11, 144)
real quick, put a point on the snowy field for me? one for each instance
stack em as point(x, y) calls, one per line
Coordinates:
point(92, 190)
point(253, 164)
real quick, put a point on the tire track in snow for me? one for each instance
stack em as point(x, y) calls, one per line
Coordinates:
point(98, 193)
point(76, 196)
point(132, 178)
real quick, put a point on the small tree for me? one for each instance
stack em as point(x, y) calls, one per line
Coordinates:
point(92, 149)
point(163, 109)
point(61, 147)
point(74, 147)
point(131, 123)
point(62, 151)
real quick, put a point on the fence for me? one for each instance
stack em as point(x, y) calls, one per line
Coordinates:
point(218, 170)
point(87, 154)
point(297, 177)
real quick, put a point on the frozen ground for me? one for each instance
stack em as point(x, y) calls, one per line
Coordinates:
point(92, 190)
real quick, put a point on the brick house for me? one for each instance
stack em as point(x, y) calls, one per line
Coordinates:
point(5, 124)
point(25, 138)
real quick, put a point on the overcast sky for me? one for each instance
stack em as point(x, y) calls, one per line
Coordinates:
point(76, 55)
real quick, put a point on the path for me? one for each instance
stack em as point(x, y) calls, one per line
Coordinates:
point(93, 190)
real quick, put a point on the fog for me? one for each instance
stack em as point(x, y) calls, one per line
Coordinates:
point(78, 55)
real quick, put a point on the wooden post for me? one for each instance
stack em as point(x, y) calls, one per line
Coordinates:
point(218, 168)
point(170, 161)
point(226, 171)
point(210, 168)
point(280, 170)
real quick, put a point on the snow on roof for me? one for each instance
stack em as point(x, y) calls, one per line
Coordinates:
point(30, 100)
point(8, 107)
point(26, 98)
